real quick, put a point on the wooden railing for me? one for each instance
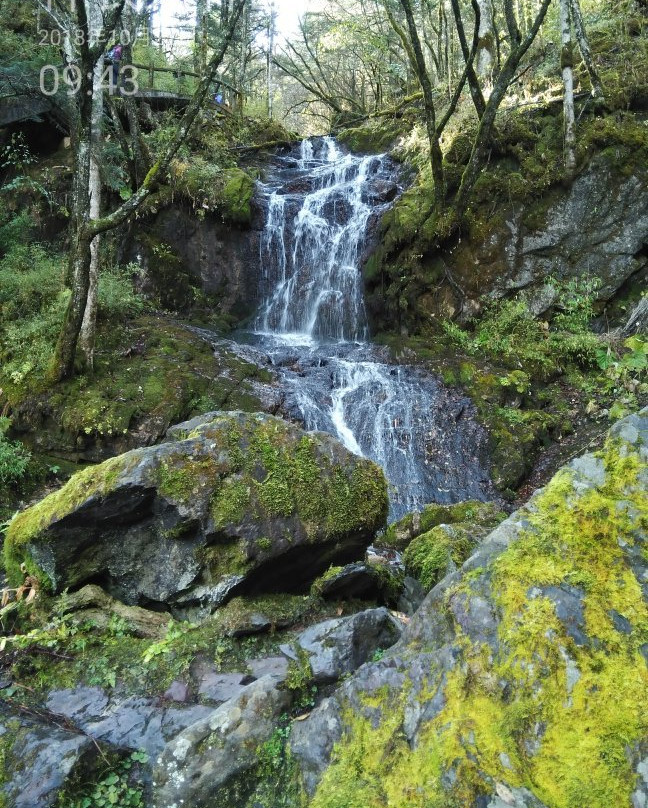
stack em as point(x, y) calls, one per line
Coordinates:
point(151, 70)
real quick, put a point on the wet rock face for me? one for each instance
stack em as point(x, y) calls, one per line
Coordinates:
point(511, 662)
point(596, 230)
point(220, 259)
point(230, 504)
point(39, 761)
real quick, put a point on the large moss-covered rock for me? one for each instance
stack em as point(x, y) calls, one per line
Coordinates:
point(522, 679)
point(231, 503)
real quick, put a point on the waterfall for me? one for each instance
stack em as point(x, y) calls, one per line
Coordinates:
point(313, 324)
point(312, 266)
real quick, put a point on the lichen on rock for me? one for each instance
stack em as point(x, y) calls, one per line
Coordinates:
point(522, 678)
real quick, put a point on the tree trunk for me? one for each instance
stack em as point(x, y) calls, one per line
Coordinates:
point(566, 64)
point(200, 38)
point(416, 52)
point(89, 325)
point(583, 46)
point(487, 52)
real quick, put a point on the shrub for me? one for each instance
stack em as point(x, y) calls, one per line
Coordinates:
point(116, 297)
point(14, 458)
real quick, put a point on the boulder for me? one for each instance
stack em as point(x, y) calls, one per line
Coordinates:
point(338, 647)
point(229, 504)
point(520, 681)
point(39, 760)
point(209, 763)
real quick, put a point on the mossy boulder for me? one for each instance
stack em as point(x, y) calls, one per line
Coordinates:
point(478, 516)
point(374, 136)
point(522, 678)
point(230, 504)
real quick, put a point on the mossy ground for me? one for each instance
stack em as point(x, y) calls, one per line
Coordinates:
point(113, 657)
point(149, 373)
point(516, 716)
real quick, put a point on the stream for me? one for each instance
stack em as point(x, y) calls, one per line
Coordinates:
point(312, 326)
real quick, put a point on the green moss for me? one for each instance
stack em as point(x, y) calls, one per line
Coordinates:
point(226, 191)
point(373, 137)
point(430, 556)
point(318, 584)
point(180, 481)
point(281, 477)
point(481, 516)
point(495, 703)
point(237, 193)
point(33, 523)
point(230, 502)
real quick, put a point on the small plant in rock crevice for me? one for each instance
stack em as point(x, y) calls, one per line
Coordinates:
point(120, 786)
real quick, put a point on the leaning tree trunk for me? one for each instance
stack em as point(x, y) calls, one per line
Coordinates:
point(584, 47)
point(566, 63)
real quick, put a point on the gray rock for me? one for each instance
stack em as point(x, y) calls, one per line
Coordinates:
point(616, 211)
point(412, 595)
point(215, 686)
point(511, 797)
point(207, 515)
point(338, 647)
point(208, 762)
point(178, 691)
point(40, 760)
point(128, 723)
point(276, 667)
point(569, 604)
point(312, 741)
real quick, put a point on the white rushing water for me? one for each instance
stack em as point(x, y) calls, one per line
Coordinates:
point(313, 324)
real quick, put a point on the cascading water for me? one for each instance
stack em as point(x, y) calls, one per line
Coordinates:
point(316, 286)
point(313, 325)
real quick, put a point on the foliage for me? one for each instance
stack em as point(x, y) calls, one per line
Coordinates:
point(120, 786)
point(116, 297)
point(509, 332)
point(625, 374)
point(16, 158)
point(14, 458)
point(32, 302)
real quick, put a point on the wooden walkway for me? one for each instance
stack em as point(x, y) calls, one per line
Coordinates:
point(32, 105)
